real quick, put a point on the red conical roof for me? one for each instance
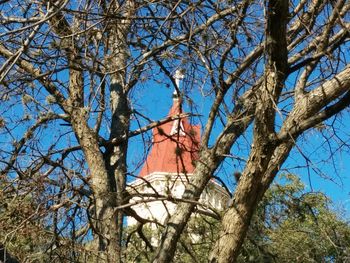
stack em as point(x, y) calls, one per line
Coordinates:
point(175, 146)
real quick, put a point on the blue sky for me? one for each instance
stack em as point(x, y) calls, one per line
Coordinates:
point(325, 169)
point(324, 172)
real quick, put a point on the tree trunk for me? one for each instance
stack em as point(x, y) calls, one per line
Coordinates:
point(103, 218)
point(116, 160)
point(177, 222)
point(250, 190)
point(116, 155)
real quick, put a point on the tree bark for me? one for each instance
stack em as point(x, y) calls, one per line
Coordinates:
point(249, 192)
point(116, 156)
point(103, 216)
point(250, 188)
point(177, 222)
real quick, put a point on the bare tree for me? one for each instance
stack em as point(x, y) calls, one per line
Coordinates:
point(69, 71)
point(311, 102)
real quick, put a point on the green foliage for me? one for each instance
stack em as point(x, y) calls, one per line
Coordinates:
point(24, 231)
point(290, 225)
point(21, 231)
point(197, 240)
point(194, 246)
point(136, 248)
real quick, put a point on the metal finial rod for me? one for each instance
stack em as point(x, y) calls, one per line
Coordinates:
point(179, 75)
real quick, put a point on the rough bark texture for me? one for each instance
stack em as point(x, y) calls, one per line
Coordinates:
point(176, 224)
point(116, 156)
point(108, 171)
point(66, 61)
point(250, 190)
point(106, 223)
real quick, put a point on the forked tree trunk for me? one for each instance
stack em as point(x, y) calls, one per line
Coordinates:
point(252, 184)
point(102, 215)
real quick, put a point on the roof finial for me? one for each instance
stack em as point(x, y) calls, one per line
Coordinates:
point(179, 75)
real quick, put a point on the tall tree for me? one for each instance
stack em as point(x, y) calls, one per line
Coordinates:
point(69, 74)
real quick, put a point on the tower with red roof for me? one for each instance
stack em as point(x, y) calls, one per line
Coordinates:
point(168, 166)
point(175, 145)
